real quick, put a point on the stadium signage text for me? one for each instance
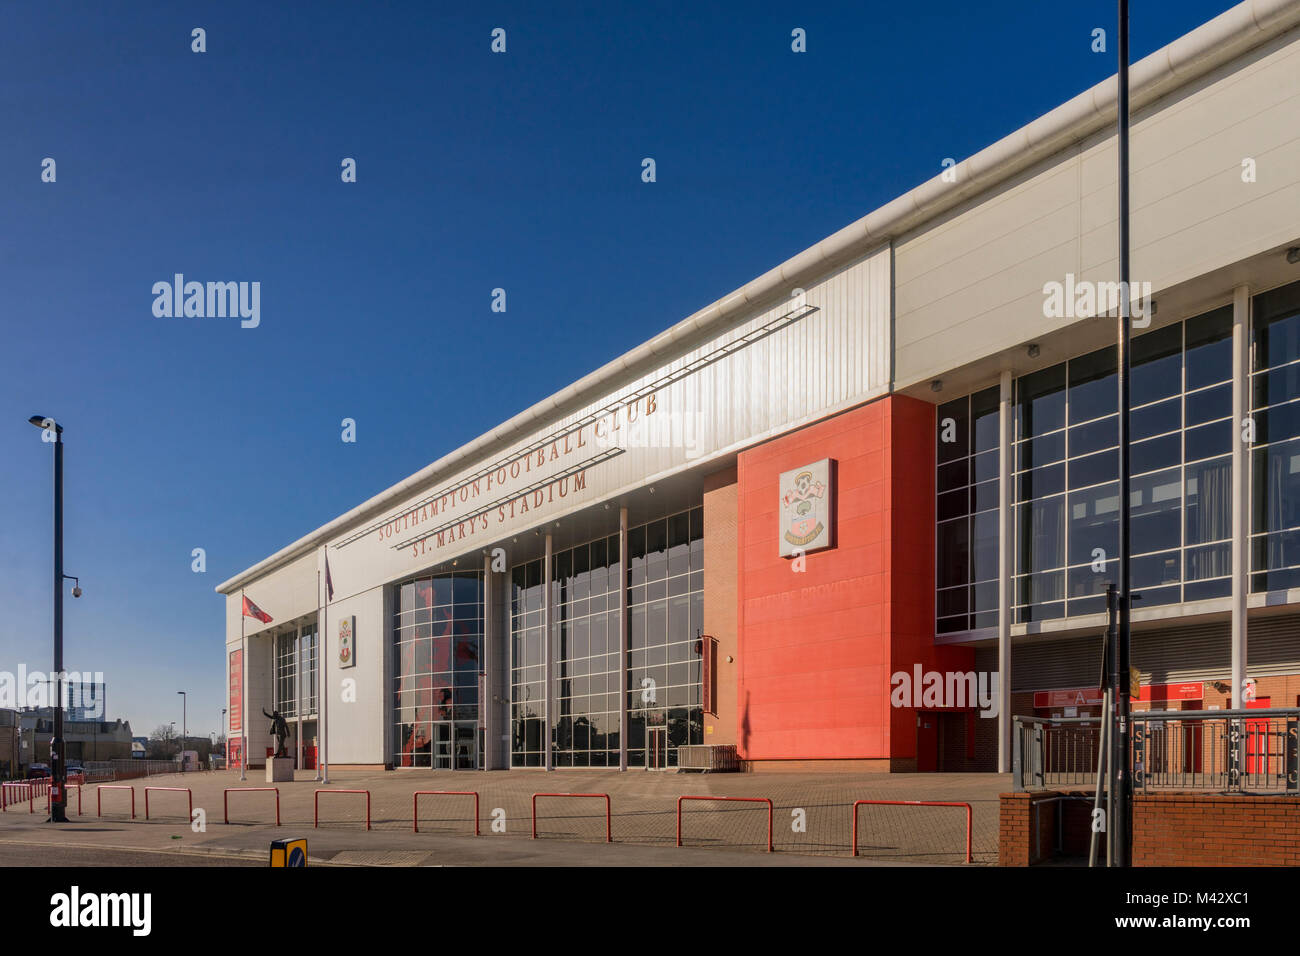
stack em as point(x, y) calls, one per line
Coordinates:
point(494, 497)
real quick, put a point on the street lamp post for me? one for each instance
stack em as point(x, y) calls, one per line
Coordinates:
point(185, 727)
point(226, 737)
point(1119, 829)
point(58, 764)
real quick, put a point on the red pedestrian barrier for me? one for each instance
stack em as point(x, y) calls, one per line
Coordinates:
point(49, 801)
point(316, 812)
point(910, 803)
point(99, 798)
point(415, 804)
point(16, 792)
point(225, 799)
point(608, 829)
point(185, 790)
point(728, 800)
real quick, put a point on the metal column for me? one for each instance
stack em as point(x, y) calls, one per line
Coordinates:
point(1118, 824)
point(487, 660)
point(622, 638)
point(1006, 565)
point(297, 692)
point(548, 618)
point(1240, 486)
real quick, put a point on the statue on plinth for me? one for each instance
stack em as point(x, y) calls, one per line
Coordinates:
point(279, 730)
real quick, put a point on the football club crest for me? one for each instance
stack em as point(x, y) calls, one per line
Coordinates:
point(806, 508)
point(347, 642)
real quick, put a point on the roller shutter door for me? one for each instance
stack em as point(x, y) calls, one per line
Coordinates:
point(1170, 654)
point(1166, 655)
point(1273, 646)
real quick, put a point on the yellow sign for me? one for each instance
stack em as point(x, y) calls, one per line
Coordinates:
point(289, 852)
point(1134, 683)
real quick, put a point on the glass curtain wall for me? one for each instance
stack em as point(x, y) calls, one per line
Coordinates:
point(665, 589)
point(1275, 404)
point(527, 665)
point(666, 611)
point(286, 686)
point(295, 672)
point(967, 513)
point(438, 633)
point(307, 657)
point(1066, 482)
point(585, 655)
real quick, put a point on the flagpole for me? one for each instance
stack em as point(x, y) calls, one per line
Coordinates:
point(324, 684)
point(297, 695)
point(243, 692)
point(320, 734)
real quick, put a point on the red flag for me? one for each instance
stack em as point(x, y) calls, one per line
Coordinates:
point(252, 610)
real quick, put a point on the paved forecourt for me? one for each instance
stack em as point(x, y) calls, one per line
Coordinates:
point(811, 817)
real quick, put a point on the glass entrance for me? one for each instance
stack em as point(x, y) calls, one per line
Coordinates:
point(437, 635)
point(656, 750)
point(442, 746)
point(466, 746)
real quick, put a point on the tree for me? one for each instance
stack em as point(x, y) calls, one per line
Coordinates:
point(163, 743)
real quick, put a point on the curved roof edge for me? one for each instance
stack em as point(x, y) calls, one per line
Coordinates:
point(1192, 55)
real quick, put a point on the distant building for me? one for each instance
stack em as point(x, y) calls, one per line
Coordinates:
point(9, 749)
point(83, 739)
point(86, 701)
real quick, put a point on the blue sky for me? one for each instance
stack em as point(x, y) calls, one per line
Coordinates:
point(475, 171)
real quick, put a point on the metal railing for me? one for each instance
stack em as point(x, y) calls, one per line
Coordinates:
point(1054, 753)
point(1219, 751)
point(101, 770)
point(707, 757)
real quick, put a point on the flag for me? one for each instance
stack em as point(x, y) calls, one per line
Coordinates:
point(252, 610)
point(329, 582)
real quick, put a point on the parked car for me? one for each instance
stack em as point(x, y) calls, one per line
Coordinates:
point(38, 770)
point(75, 766)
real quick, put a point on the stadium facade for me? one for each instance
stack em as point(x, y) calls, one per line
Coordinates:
point(798, 521)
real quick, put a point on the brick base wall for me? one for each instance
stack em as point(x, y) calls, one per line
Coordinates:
point(1169, 829)
point(1196, 829)
point(1027, 827)
point(865, 765)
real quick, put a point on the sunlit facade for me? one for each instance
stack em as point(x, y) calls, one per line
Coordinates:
point(897, 453)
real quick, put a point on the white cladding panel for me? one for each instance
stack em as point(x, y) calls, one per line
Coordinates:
point(286, 593)
point(357, 695)
point(825, 351)
point(971, 284)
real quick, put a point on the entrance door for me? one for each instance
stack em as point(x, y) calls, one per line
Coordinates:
point(927, 742)
point(442, 746)
point(1257, 739)
point(466, 746)
point(656, 750)
point(952, 740)
point(1193, 740)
